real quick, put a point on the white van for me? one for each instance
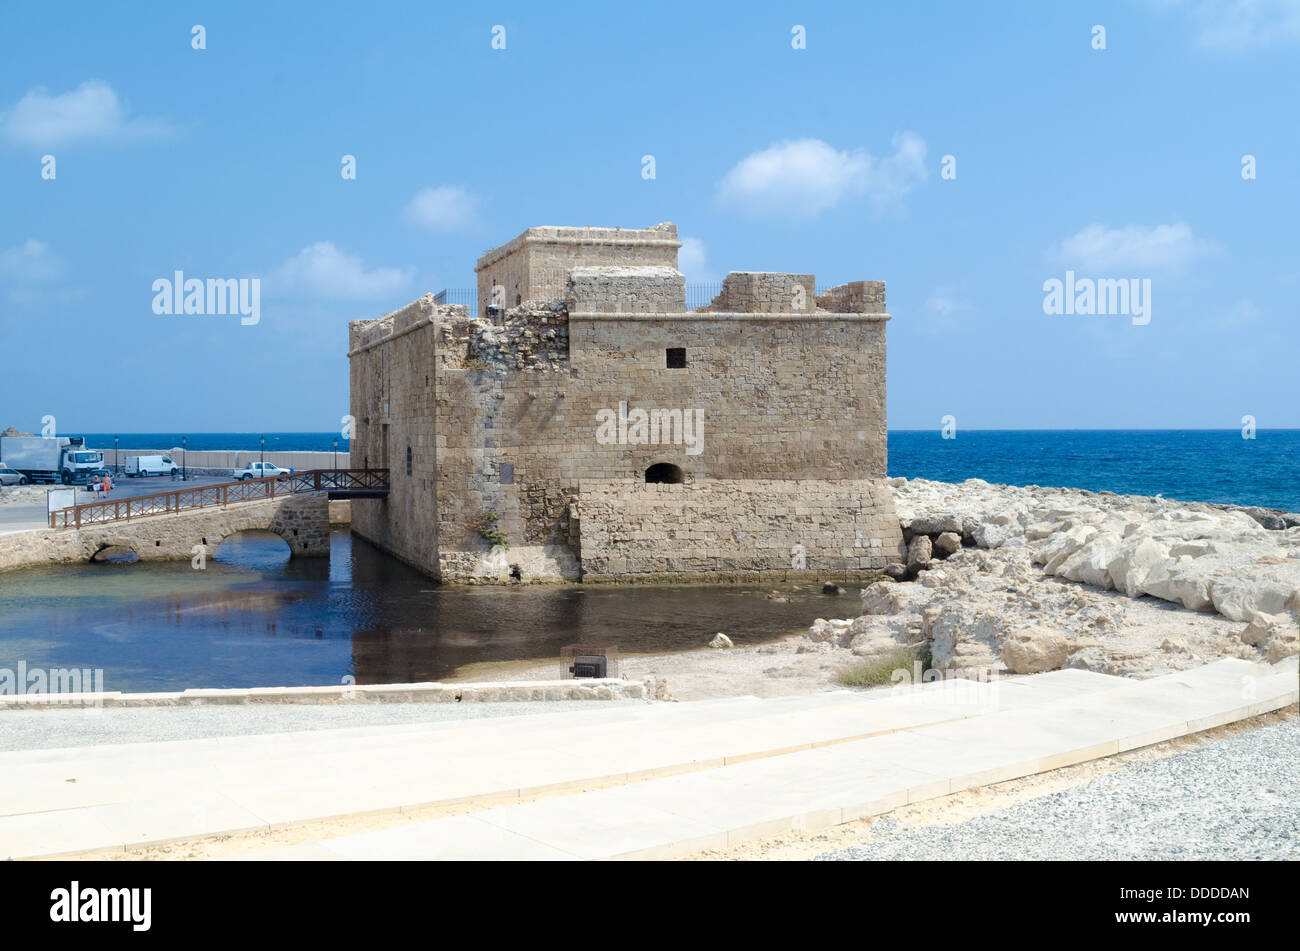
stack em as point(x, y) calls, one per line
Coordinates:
point(150, 465)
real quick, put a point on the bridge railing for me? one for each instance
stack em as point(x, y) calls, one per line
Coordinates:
point(221, 493)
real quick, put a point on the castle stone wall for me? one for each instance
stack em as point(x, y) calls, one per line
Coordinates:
point(734, 527)
point(392, 402)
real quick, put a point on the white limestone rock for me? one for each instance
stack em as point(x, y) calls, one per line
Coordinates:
point(888, 597)
point(934, 524)
point(1090, 563)
point(1240, 595)
point(1262, 625)
point(961, 637)
point(1203, 557)
point(1037, 531)
point(830, 632)
point(1281, 644)
point(1032, 650)
point(1133, 561)
point(994, 534)
point(1178, 580)
point(919, 553)
point(947, 543)
point(1055, 550)
point(871, 635)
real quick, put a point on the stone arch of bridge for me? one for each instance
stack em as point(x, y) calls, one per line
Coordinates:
point(106, 551)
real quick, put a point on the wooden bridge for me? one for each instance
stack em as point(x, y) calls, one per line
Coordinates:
point(339, 483)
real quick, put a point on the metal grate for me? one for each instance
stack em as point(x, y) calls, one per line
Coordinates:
point(588, 660)
point(701, 295)
point(466, 296)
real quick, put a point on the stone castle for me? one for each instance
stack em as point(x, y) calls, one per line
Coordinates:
point(584, 423)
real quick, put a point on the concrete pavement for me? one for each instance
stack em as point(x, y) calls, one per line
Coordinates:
point(635, 781)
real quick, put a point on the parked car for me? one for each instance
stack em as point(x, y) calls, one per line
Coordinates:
point(150, 465)
point(11, 476)
point(260, 470)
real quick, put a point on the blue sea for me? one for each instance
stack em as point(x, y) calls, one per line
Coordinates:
point(244, 442)
point(1200, 465)
point(1194, 465)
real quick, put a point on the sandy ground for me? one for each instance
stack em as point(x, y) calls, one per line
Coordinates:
point(776, 669)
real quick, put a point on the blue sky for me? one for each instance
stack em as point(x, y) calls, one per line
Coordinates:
point(1122, 163)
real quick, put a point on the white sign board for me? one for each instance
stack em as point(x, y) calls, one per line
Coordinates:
point(56, 499)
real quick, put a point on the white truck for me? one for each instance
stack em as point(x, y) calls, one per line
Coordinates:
point(50, 458)
point(150, 465)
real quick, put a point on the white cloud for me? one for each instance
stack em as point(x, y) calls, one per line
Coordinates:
point(693, 259)
point(1236, 25)
point(945, 302)
point(804, 177)
point(1167, 249)
point(91, 111)
point(30, 262)
point(324, 271)
point(445, 208)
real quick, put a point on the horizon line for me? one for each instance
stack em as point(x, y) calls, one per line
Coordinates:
point(1037, 429)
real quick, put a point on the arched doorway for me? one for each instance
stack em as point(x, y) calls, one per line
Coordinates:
point(665, 473)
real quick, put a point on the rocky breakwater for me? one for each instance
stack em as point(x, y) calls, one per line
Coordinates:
point(1032, 578)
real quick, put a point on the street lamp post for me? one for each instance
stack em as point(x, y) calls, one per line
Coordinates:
point(263, 466)
point(184, 457)
point(336, 453)
point(115, 462)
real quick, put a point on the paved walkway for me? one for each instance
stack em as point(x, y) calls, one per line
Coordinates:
point(679, 777)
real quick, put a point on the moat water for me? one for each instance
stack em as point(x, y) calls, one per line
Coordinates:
point(253, 617)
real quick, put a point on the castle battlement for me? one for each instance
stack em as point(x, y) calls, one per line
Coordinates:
point(536, 264)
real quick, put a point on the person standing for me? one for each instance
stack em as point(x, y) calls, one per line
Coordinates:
point(106, 484)
point(95, 485)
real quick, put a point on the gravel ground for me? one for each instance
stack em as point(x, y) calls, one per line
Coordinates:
point(52, 729)
point(1234, 799)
